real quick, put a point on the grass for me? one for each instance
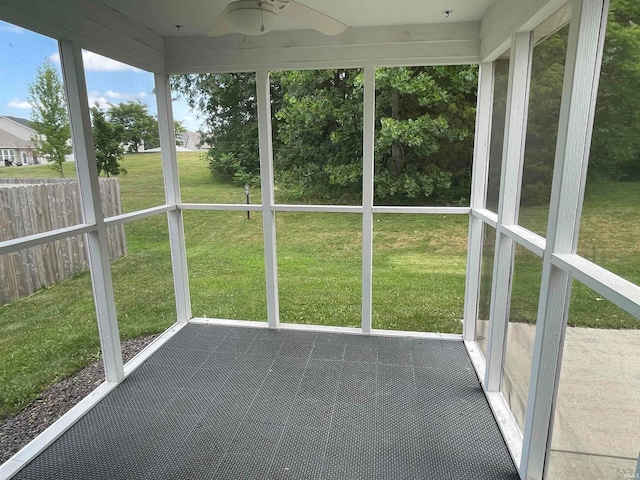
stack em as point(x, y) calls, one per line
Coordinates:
point(418, 282)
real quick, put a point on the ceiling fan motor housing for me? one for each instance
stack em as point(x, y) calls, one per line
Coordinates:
point(252, 18)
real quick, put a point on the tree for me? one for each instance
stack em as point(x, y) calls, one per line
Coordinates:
point(138, 125)
point(106, 138)
point(615, 150)
point(424, 138)
point(179, 129)
point(231, 124)
point(425, 125)
point(49, 116)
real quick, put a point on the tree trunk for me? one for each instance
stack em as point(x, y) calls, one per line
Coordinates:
point(396, 148)
point(61, 171)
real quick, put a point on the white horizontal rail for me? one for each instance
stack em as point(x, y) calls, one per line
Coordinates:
point(138, 215)
point(229, 322)
point(318, 208)
point(404, 333)
point(621, 292)
point(16, 244)
point(221, 206)
point(526, 238)
point(428, 210)
point(507, 424)
point(327, 329)
point(487, 216)
point(327, 208)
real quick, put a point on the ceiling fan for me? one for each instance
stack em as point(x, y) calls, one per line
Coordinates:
point(256, 17)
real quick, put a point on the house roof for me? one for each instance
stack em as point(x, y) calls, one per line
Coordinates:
point(22, 121)
point(193, 140)
point(8, 140)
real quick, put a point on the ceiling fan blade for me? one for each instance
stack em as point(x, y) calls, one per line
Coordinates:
point(313, 19)
point(221, 27)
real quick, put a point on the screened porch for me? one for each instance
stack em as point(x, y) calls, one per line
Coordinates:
point(491, 397)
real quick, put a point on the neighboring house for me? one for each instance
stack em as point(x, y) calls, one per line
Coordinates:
point(16, 146)
point(192, 141)
point(156, 150)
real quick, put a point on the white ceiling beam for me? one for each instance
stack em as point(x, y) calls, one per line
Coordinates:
point(455, 43)
point(92, 26)
point(506, 17)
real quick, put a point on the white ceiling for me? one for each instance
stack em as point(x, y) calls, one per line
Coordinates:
point(196, 17)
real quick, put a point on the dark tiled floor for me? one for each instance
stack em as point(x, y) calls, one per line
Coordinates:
point(240, 403)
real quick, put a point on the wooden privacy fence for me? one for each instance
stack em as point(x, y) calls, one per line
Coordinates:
point(30, 206)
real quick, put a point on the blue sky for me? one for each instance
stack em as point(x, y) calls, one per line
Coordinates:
point(108, 81)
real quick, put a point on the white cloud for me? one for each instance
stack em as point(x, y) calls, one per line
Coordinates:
point(97, 63)
point(101, 101)
point(111, 96)
point(17, 103)
point(7, 27)
point(116, 95)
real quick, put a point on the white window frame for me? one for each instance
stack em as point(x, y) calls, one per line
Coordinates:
point(9, 154)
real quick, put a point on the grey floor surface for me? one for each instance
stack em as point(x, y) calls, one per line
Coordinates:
point(240, 403)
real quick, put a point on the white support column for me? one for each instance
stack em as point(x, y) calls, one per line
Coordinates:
point(511, 178)
point(266, 180)
point(97, 242)
point(173, 197)
point(368, 139)
point(580, 88)
point(478, 198)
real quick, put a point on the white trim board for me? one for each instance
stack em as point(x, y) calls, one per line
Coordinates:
point(138, 215)
point(391, 45)
point(302, 327)
point(19, 243)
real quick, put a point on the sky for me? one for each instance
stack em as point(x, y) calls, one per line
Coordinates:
point(108, 81)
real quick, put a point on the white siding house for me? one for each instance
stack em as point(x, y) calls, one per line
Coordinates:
point(16, 146)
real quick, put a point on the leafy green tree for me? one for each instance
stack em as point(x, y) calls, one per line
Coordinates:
point(230, 121)
point(424, 133)
point(423, 143)
point(138, 125)
point(318, 132)
point(424, 139)
point(107, 142)
point(179, 129)
point(49, 116)
point(615, 150)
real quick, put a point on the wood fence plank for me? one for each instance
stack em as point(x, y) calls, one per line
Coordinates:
point(31, 206)
point(9, 230)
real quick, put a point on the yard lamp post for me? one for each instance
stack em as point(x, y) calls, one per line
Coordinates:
point(246, 194)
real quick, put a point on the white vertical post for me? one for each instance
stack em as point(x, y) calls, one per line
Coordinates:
point(510, 182)
point(173, 197)
point(479, 178)
point(367, 195)
point(266, 181)
point(580, 88)
point(89, 186)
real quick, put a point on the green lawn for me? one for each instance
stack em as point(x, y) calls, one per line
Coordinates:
point(419, 273)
